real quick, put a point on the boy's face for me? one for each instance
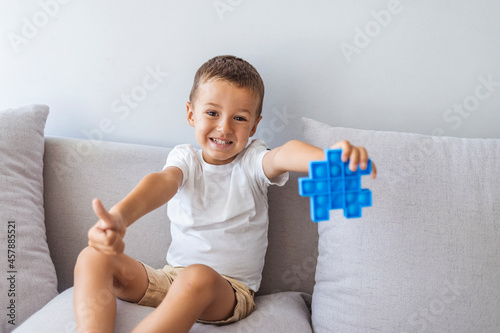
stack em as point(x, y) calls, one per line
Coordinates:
point(224, 117)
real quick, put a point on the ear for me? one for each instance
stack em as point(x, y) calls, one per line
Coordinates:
point(254, 128)
point(190, 114)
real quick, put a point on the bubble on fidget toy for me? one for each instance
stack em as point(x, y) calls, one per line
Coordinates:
point(322, 200)
point(348, 171)
point(334, 155)
point(337, 201)
point(321, 186)
point(308, 187)
point(351, 184)
point(335, 171)
point(352, 210)
point(321, 213)
point(364, 198)
point(350, 198)
point(336, 185)
point(319, 171)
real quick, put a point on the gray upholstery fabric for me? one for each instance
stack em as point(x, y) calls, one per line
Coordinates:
point(293, 241)
point(28, 278)
point(278, 313)
point(426, 256)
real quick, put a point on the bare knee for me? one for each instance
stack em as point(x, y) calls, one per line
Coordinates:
point(90, 257)
point(207, 287)
point(198, 278)
point(91, 261)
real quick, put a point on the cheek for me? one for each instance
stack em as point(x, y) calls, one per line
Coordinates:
point(202, 128)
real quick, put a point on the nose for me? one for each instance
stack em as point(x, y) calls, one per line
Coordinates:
point(224, 125)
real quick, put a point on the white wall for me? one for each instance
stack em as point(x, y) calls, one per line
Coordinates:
point(415, 66)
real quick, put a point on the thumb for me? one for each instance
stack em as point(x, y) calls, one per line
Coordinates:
point(103, 214)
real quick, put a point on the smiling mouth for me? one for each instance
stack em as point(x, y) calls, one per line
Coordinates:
point(220, 142)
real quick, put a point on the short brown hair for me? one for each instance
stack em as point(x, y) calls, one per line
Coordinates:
point(232, 69)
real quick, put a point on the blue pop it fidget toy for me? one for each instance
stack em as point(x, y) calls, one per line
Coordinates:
point(331, 185)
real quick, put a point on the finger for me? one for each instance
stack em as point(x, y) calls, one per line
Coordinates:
point(107, 242)
point(363, 158)
point(97, 235)
point(102, 236)
point(97, 246)
point(346, 149)
point(354, 160)
point(103, 214)
point(374, 171)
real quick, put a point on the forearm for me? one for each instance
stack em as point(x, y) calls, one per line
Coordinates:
point(295, 156)
point(292, 156)
point(153, 191)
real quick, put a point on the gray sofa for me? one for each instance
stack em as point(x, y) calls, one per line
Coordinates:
point(425, 257)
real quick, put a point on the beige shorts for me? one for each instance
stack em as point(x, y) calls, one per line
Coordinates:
point(160, 281)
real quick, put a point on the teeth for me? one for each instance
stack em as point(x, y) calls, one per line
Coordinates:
point(221, 142)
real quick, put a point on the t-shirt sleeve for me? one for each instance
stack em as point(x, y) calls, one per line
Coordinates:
point(179, 157)
point(254, 156)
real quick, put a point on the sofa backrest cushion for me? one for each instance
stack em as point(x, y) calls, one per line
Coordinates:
point(425, 256)
point(28, 275)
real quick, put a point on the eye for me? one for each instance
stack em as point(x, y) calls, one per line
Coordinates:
point(212, 113)
point(238, 118)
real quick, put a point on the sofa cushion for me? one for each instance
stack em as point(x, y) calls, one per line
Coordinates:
point(280, 313)
point(425, 255)
point(28, 275)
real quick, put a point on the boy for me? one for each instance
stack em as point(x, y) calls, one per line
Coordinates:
point(218, 210)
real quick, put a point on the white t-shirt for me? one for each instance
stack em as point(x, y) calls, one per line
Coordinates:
point(219, 216)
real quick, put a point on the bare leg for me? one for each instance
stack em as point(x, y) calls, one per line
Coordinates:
point(197, 292)
point(98, 279)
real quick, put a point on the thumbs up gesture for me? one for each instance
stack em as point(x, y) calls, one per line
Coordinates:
point(107, 234)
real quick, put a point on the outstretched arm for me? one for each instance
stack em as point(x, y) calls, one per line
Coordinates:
point(153, 191)
point(295, 156)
